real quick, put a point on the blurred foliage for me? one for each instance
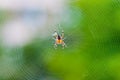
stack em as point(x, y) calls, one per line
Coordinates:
point(93, 51)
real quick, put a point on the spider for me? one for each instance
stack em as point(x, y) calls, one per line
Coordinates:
point(59, 39)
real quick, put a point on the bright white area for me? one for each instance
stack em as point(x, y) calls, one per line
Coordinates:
point(51, 5)
point(37, 18)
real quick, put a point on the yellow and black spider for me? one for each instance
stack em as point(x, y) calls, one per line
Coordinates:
point(59, 39)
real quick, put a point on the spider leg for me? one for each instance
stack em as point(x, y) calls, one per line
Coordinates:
point(55, 46)
point(62, 35)
point(63, 45)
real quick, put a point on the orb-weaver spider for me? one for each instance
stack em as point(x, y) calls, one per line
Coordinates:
point(59, 39)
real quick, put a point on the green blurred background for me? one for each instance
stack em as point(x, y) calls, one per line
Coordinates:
point(93, 38)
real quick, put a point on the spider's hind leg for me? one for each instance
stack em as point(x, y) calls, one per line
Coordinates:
point(55, 46)
point(64, 45)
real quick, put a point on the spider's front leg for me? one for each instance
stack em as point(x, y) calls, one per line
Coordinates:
point(62, 35)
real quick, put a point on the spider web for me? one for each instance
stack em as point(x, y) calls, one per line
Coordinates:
point(26, 65)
